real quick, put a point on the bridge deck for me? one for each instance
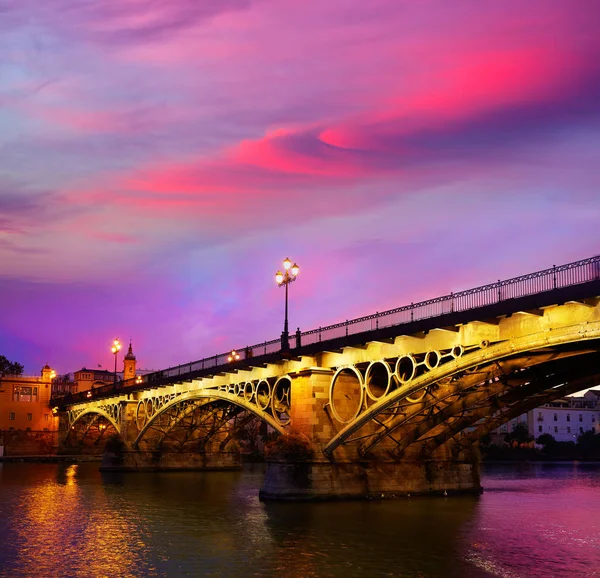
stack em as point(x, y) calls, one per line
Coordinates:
point(582, 281)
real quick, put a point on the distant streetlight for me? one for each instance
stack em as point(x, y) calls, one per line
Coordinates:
point(291, 272)
point(116, 346)
point(233, 356)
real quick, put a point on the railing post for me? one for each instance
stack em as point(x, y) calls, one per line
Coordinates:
point(451, 302)
point(377, 320)
point(412, 311)
point(265, 350)
point(346, 328)
point(499, 295)
point(554, 276)
point(319, 335)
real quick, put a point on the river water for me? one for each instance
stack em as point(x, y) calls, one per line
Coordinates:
point(70, 520)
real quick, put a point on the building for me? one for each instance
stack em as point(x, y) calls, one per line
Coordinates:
point(86, 379)
point(24, 402)
point(565, 419)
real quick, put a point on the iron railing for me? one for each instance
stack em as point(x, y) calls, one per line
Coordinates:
point(562, 276)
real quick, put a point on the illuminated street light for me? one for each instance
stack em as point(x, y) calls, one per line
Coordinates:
point(233, 356)
point(116, 346)
point(284, 279)
point(138, 379)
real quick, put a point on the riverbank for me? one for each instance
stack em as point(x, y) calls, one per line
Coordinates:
point(52, 459)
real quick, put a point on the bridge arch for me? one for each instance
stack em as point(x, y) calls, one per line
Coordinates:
point(415, 389)
point(73, 419)
point(206, 397)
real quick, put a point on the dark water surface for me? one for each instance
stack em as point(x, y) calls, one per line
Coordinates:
point(70, 520)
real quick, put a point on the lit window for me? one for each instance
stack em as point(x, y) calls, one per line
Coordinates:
point(25, 393)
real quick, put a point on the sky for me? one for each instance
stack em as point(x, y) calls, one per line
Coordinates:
point(159, 160)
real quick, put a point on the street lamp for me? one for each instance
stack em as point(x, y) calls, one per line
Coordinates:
point(233, 356)
point(291, 272)
point(116, 346)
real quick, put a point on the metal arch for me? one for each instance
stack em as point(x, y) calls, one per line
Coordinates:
point(506, 412)
point(210, 395)
point(443, 397)
point(95, 410)
point(531, 342)
point(186, 411)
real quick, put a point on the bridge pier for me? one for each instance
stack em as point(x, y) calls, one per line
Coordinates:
point(347, 475)
point(365, 479)
point(129, 460)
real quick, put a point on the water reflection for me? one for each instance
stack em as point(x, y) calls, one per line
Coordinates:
point(71, 521)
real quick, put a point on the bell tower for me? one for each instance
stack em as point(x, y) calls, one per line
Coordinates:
point(129, 365)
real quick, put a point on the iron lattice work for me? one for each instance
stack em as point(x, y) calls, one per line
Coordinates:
point(110, 411)
point(194, 425)
point(266, 399)
point(89, 431)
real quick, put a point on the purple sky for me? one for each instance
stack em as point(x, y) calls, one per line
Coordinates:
point(158, 160)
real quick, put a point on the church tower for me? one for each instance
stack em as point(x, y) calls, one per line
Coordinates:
point(129, 365)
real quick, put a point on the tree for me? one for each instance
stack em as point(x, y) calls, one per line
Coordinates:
point(546, 440)
point(520, 435)
point(589, 445)
point(9, 367)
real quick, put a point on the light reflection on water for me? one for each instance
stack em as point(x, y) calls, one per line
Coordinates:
point(60, 520)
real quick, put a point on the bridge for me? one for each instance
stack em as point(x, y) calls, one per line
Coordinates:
point(391, 403)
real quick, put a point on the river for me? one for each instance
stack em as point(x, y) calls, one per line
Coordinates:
point(70, 520)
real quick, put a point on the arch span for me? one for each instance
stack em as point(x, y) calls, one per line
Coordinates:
point(206, 397)
point(562, 341)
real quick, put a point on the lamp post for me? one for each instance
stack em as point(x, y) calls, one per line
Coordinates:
point(116, 346)
point(291, 272)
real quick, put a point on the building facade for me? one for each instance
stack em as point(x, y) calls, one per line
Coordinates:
point(24, 402)
point(564, 419)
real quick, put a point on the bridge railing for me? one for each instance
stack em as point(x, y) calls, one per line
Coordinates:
point(541, 281)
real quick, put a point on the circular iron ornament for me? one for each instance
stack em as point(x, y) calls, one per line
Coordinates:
point(432, 359)
point(263, 394)
point(361, 388)
point(406, 368)
point(389, 373)
point(248, 391)
point(140, 416)
point(281, 398)
point(149, 408)
point(457, 351)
